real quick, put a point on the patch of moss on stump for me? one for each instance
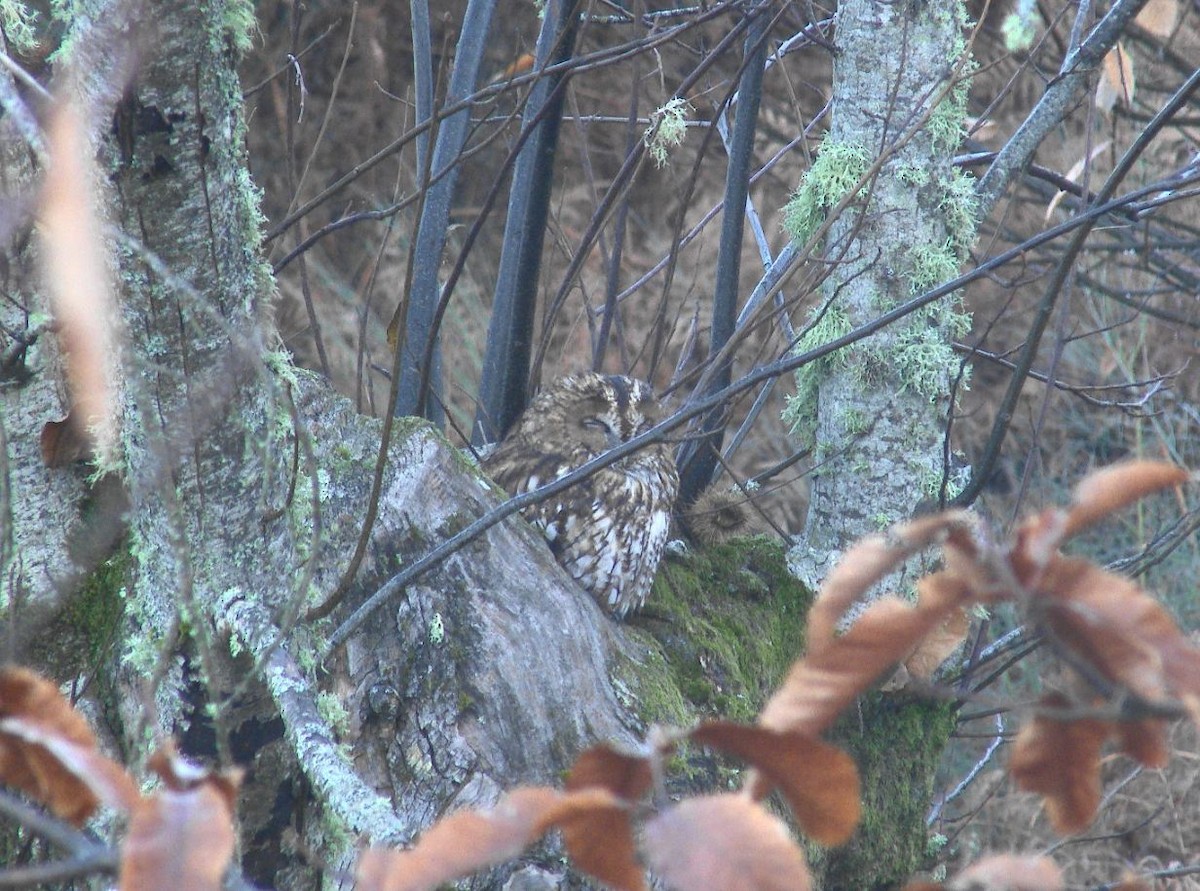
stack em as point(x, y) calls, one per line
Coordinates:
point(896, 740)
point(729, 622)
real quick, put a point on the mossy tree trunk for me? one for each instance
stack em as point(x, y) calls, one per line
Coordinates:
point(883, 404)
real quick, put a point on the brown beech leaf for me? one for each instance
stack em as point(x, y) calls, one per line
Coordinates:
point(727, 842)
point(923, 886)
point(1035, 545)
point(1144, 741)
point(1159, 17)
point(468, 841)
point(48, 751)
point(1116, 80)
point(178, 838)
point(1009, 872)
point(1108, 621)
point(624, 775)
point(866, 562)
point(1060, 759)
point(1106, 491)
point(63, 443)
point(940, 644)
point(181, 775)
point(822, 684)
point(819, 781)
point(601, 842)
point(77, 276)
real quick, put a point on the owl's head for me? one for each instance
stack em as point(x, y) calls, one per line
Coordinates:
point(597, 411)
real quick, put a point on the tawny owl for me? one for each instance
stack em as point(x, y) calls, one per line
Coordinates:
point(608, 531)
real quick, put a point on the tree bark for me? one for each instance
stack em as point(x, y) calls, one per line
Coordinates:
point(883, 407)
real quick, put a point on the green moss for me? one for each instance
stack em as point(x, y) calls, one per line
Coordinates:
point(728, 622)
point(332, 712)
point(838, 168)
point(93, 615)
point(896, 741)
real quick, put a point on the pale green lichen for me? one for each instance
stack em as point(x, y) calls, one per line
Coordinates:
point(333, 712)
point(240, 25)
point(923, 358)
point(838, 168)
point(668, 126)
point(20, 25)
point(932, 264)
point(959, 205)
point(1019, 26)
point(437, 630)
point(801, 411)
point(911, 173)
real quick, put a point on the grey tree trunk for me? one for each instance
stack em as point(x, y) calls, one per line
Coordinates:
point(883, 406)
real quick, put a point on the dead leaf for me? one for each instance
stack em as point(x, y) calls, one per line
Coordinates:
point(1060, 759)
point(865, 563)
point(601, 842)
point(178, 839)
point(1106, 491)
point(468, 841)
point(1009, 872)
point(818, 780)
point(939, 645)
point(181, 775)
point(48, 751)
point(1109, 622)
point(825, 682)
point(1116, 80)
point(1073, 175)
point(1145, 741)
point(726, 842)
point(1159, 17)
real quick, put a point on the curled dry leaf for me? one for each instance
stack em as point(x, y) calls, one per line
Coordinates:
point(818, 780)
point(1144, 741)
point(181, 775)
point(1108, 490)
point(1034, 546)
point(77, 277)
point(178, 838)
point(727, 842)
point(1060, 759)
point(1009, 872)
point(1110, 623)
point(48, 751)
point(1116, 80)
point(471, 840)
point(600, 842)
point(865, 563)
point(940, 644)
point(823, 683)
point(624, 775)
point(1159, 17)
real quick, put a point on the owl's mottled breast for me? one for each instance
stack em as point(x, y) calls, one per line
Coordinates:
point(609, 530)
